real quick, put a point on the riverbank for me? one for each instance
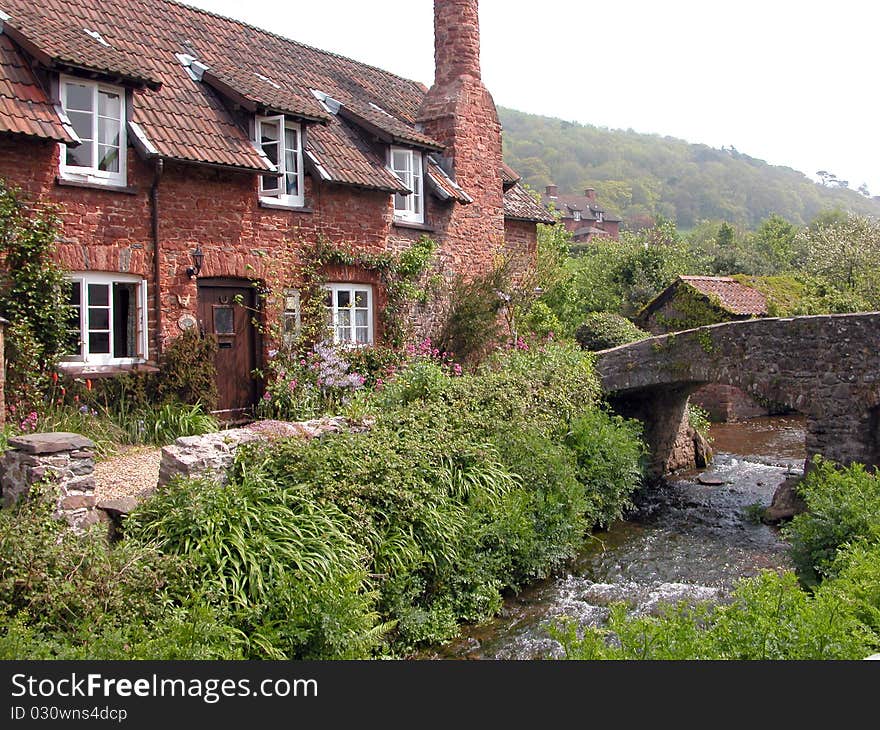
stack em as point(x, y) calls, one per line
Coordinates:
point(685, 541)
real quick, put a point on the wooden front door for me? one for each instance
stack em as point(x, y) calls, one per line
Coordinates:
point(226, 312)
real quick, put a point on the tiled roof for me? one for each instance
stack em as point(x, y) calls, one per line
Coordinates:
point(24, 108)
point(376, 119)
point(734, 297)
point(148, 44)
point(444, 185)
point(509, 176)
point(57, 41)
point(339, 154)
point(519, 205)
point(567, 204)
point(188, 119)
point(255, 90)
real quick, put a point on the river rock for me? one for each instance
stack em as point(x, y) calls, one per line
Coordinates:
point(708, 480)
point(786, 502)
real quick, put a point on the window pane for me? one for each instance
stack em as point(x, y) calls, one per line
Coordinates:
point(362, 335)
point(399, 202)
point(99, 343)
point(343, 298)
point(224, 321)
point(268, 132)
point(109, 158)
point(125, 324)
point(291, 139)
point(291, 184)
point(343, 334)
point(360, 298)
point(79, 97)
point(99, 295)
point(400, 160)
point(269, 184)
point(99, 319)
point(360, 317)
point(343, 318)
point(82, 124)
point(109, 105)
point(108, 132)
point(79, 156)
point(74, 293)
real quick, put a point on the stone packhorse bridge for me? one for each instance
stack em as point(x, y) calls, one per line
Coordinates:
point(825, 367)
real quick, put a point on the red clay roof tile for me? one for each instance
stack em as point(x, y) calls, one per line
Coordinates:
point(519, 205)
point(734, 297)
point(24, 108)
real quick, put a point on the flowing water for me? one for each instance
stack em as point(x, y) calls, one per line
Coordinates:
point(691, 540)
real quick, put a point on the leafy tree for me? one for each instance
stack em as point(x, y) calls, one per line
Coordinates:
point(641, 176)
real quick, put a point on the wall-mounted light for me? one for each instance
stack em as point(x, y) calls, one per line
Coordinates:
point(198, 257)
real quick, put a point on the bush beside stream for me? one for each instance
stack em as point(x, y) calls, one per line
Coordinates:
point(353, 545)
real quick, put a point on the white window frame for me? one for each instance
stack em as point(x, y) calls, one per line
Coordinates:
point(409, 208)
point(276, 195)
point(333, 314)
point(84, 356)
point(91, 174)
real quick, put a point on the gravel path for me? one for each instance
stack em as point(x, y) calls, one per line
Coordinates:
point(133, 473)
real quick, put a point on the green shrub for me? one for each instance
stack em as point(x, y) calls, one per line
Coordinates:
point(609, 454)
point(187, 373)
point(71, 596)
point(603, 330)
point(769, 618)
point(287, 565)
point(698, 419)
point(163, 424)
point(843, 506)
point(473, 326)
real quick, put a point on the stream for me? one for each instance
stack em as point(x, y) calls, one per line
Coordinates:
point(685, 540)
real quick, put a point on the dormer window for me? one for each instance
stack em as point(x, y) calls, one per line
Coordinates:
point(407, 165)
point(281, 141)
point(97, 114)
point(577, 215)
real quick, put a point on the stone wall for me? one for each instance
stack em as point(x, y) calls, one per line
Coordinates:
point(726, 403)
point(62, 463)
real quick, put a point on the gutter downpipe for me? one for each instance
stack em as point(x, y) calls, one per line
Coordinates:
point(154, 221)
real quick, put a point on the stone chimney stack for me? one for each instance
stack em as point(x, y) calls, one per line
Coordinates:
point(459, 113)
point(552, 191)
point(456, 40)
point(590, 194)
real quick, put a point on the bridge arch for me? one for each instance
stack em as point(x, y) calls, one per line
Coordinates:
point(826, 367)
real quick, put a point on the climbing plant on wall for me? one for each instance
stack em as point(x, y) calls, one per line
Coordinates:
point(32, 295)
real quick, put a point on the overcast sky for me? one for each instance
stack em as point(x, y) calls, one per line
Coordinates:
point(791, 82)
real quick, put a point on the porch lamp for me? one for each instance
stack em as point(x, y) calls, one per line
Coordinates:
point(198, 257)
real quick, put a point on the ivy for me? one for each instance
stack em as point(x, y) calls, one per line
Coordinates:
point(31, 296)
point(303, 266)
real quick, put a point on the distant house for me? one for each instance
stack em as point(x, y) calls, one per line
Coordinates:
point(190, 153)
point(695, 301)
point(582, 214)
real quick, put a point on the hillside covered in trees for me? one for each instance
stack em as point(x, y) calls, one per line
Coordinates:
point(642, 176)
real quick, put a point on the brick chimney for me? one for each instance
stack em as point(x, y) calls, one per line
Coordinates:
point(456, 40)
point(590, 194)
point(459, 112)
point(552, 191)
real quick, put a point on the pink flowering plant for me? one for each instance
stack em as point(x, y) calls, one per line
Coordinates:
point(317, 382)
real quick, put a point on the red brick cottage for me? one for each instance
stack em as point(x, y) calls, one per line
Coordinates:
point(163, 130)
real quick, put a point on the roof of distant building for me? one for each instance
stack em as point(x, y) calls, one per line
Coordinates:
point(736, 298)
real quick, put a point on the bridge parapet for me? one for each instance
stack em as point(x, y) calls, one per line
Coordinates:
point(826, 367)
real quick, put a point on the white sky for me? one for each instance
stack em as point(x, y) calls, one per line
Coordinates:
point(792, 82)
